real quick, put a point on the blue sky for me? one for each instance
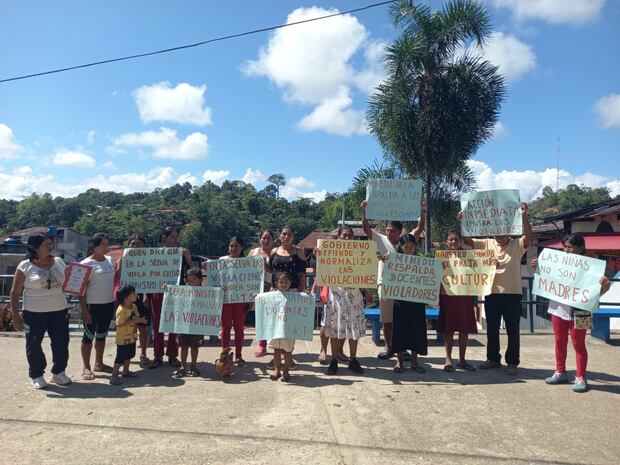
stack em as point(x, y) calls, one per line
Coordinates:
point(289, 102)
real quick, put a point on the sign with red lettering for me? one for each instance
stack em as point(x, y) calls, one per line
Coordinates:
point(491, 213)
point(151, 269)
point(466, 272)
point(346, 263)
point(411, 278)
point(569, 279)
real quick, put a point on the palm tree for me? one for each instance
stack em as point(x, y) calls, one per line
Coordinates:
point(437, 104)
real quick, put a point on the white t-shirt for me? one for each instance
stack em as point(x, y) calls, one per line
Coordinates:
point(37, 297)
point(560, 310)
point(383, 246)
point(100, 288)
point(256, 253)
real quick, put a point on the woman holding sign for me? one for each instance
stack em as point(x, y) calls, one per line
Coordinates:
point(567, 320)
point(344, 318)
point(40, 277)
point(169, 238)
point(456, 313)
point(98, 304)
point(266, 244)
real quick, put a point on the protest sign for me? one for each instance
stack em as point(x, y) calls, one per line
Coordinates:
point(240, 278)
point(191, 310)
point(284, 315)
point(393, 199)
point(151, 269)
point(411, 278)
point(76, 279)
point(491, 213)
point(569, 279)
point(467, 272)
point(346, 263)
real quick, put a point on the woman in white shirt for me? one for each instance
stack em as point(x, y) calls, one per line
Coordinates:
point(98, 304)
point(40, 277)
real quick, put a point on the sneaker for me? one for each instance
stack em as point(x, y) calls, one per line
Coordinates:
point(156, 363)
point(489, 365)
point(557, 378)
point(144, 361)
point(174, 362)
point(406, 356)
point(239, 362)
point(61, 379)
point(39, 383)
point(332, 369)
point(115, 380)
point(180, 373)
point(512, 370)
point(580, 384)
point(355, 367)
point(385, 354)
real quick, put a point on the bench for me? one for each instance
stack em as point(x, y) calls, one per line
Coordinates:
point(373, 314)
point(600, 322)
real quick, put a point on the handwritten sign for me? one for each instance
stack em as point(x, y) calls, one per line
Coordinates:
point(569, 279)
point(466, 272)
point(346, 263)
point(151, 269)
point(240, 278)
point(393, 199)
point(284, 315)
point(411, 278)
point(191, 310)
point(491, 213)
point(76, 279)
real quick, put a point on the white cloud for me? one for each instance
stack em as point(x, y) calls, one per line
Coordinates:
point(299, 182)
point(108, 165)
point(608, 110)
point(554, 11)
point(513, 57)
point(313, 64)
point(166, 144)
point(9, 148)
point(499, 130)
point(73, 158)
point(90, 137)
point(531, 183)
point(291, 193)
point(253, 176)
point(181, 104)
point(187, 177)
point(215, 176)
point(335, 116)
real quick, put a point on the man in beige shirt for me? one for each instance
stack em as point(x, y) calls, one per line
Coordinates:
point(505, 298)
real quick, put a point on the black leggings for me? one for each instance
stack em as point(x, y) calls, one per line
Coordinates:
point(100, 317)
point(57, 326)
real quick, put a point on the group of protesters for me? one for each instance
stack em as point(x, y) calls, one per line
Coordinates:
point(40, 276)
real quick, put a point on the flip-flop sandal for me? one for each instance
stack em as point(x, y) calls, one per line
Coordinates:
point(323, 359)
point(449, 368)
point(418, 369)
point(87, 375)
point(275, 377)
point(180, 373)
point(286, 377)
point(465, 366)
point(194, 373)
point(398, 369)
point(104, 369)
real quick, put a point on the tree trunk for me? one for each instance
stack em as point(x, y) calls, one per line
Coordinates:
point(427, 226)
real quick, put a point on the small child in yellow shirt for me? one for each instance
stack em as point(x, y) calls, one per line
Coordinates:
point(127, 317)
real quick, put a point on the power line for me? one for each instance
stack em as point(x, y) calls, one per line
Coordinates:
point(197, 44)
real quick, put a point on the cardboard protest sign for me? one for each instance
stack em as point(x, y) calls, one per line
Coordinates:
point(76, 279)
point(569, 279)
point(411, 278)
point(284, 315)
point(346, 263)
point(191, 310)
point(240, 278)
point(151, 269)
point(466, 272)
point(491, 213)
point(393, 199)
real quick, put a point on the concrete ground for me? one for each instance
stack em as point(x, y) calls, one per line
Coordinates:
point(375, 418)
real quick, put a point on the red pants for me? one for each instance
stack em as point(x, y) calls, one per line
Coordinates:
point(172, 350)
point(233, 315)
point(561, 329)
